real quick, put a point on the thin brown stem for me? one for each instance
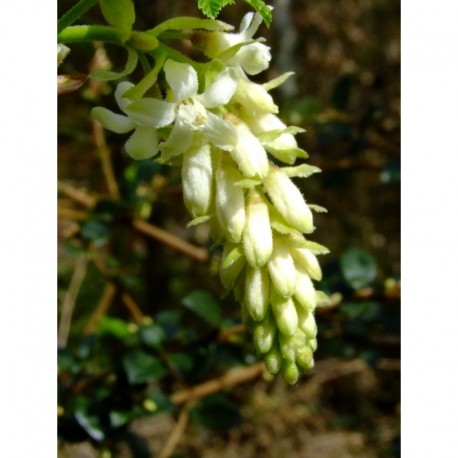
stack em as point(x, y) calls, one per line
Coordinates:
point(133, 307)
point(177, 432)
point(228, 380)
point(69, 301)
point(101, 309)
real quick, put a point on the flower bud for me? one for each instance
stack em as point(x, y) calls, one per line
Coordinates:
point(257, 287)
point(197, 176)
point(308, 261)
point(264, 334)
point(281, 268)
point(230, 202)
point(307, 323)
point(304, 357)
point(257, 235)
point(290, 372)
point(285, 314)
point(254, 98)
point(273, 360)
point(305, 291)
point(248, 153)
point(312, 344)
point(288, 200)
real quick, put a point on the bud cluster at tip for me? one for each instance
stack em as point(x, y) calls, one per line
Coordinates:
point(226, 139)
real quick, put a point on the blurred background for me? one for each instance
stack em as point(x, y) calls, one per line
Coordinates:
point(141, 316)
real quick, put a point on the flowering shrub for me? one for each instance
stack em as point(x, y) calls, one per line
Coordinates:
point(237, 160)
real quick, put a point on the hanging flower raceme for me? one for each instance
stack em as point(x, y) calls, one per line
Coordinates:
point(225, 139)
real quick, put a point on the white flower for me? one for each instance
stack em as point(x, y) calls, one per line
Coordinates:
point(305, 292)
point(191, 109)
point(253, 57)
point(197, 175)
point(288, 200)
point(285, 314)
point(143, 117)
point(308, 261)
point(257, 235)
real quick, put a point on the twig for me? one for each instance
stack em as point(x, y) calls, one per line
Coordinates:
point(102, 307)
point(199, 254)
point(177, 432)
point(230, 379)
point(225, 334)
point(69, 301)
point(133, 307)
point(71, 213)
point(170, 240)
point(105, 159)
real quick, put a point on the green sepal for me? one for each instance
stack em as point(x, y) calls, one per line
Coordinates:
point(301, 171)
point(248, 183)
point(322, 299)
point(271, 135)
point(108, 75)
point(278, 81)
point(143, 41)
point(317, 208)
point(199, 220)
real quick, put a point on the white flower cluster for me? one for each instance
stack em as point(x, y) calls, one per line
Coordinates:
point(223, 136)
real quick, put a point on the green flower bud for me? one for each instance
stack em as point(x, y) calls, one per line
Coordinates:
point(312, 344)
point(290, 372)
point(288, 200)
point(257, 235)
point(230, 202)
point(281, 268)
point(285, 314)
point(257, 287)
point(264, 334)
point(197, 176)
point(253, 98)
point(273, 360)
point(304, 357)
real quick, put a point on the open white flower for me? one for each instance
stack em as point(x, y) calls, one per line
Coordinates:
point(142, 116)
point(253, 57)
point(191, 109)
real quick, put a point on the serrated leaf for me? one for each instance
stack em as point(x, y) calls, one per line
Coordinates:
point(211, 8)
point(262, 9)
point(184, 22)
point(278, 81)
point(108, 75)
point(301, 171)
point(198, 220)
point(119, 14)
point(203, 304)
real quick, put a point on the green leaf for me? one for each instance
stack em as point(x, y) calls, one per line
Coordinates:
point(153, 336)
point(95, 231)
point(119, 14)
point(358, 267)
point(108, 75)
point(211, 8)
point(202, 303)
point(182, 361)
point(262, 9)
point(180, 23)
point(115, 327)
point(141, 367)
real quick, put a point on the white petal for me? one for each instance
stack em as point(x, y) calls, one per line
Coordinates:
point(220, 132)
point(112, 121)
point(254, 26)
point(122, 101)
point(179, 140)
point(142, 144)
point(151, 112)
point(246, 21)
point(253, 58)
point(220, 91)
point(182, 78)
